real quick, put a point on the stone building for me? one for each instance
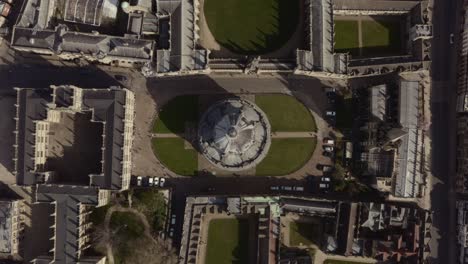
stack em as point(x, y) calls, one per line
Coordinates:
point(11, 225)
point(73, 147)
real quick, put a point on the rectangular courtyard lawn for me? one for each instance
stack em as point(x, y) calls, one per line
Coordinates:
point(172, 153)
point(228, 241)
point(304, 234)
point(286, 155)
point(381, 37)
point(286, 113)
point(347, 36)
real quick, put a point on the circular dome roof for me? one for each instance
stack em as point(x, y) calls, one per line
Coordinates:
point(234, 134)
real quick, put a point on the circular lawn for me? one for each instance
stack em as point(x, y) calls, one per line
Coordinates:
point(252, 27)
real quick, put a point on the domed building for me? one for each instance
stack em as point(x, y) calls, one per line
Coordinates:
point(234, 134)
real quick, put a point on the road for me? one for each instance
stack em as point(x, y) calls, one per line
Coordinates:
point(446, 17)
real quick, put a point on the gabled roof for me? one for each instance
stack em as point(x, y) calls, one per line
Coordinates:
point(67, 200)
point(28, 37)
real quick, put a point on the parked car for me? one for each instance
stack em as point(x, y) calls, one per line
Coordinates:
point(298, 188)
point(325, 179)
point(452, 38)
point(286, 188)
point(327, 168)
point(162, 181)
point(274, 188)
point(139, 180)
point(156, 181)
point(324, 185)
point(328, 154)
point(328, 148)
point(150, 181)
point(171, 232)
point(330, 113)
point(173, 219)
point(328, 141)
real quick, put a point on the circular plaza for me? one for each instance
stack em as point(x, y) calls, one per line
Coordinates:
point(262, 134)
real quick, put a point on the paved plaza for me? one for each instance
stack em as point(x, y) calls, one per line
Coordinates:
point(159, 91)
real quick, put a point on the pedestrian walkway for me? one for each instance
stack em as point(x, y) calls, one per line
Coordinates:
point(293, 134)
point(166, 135)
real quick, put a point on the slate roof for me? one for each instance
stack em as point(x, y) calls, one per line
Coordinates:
point(108, 106)
point(28, 37)
point(67, 216)
point(61, 40)
point(31, 106)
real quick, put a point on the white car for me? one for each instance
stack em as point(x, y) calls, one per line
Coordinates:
point(330, 113)
point(161, 182)
point(328, 148)
point(328, 141)
point(156, 181)
point(324, 185)
point(452, 38)
point(150, 181)
point(171, 232)
point(139, 180)
point(325, 179)
point(274, 188)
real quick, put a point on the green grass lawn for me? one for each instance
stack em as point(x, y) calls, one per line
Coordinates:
point(228, 241)
point(252, 27)
point(172, 153)
point(304, 234)
point(381, 37)
point(286, 113)
point(286, 155)
point(176, 113)
point(346, 36)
